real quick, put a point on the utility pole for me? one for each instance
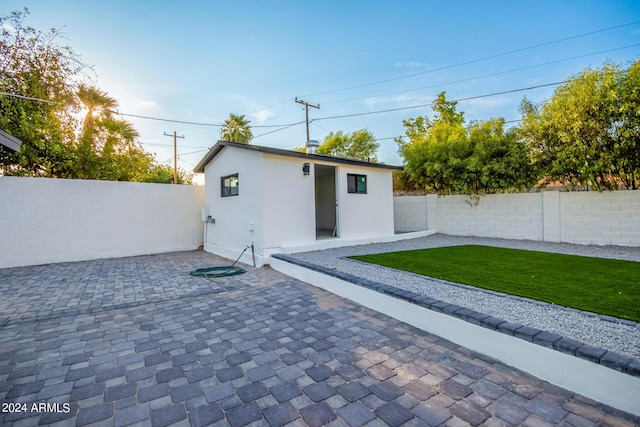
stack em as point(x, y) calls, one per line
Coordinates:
point(306, 107)
point(175, 155)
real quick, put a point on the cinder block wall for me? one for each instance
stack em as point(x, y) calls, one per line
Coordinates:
point(507, 216)
point(609, 218)
point(410, 213)
point(57, 220)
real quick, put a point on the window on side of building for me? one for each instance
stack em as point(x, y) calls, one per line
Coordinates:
point(356, 183)
point(229, 185)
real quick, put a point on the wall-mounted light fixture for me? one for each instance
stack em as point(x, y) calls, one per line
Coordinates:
point(306, 169)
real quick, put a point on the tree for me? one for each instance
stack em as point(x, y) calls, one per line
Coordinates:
point(90, 164)
point(626, 133)
point(588, 133)
point(236, 129)
point(163, 174)
point(105, 139)
point(499, 161)
point(429, 164)
point(40, 78)
point(359, 145)
point(33, 66)
point(444, 156)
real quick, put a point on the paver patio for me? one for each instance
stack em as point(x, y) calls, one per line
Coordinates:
point(137, 341)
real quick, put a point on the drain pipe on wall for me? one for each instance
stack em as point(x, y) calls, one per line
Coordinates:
point(253, 253)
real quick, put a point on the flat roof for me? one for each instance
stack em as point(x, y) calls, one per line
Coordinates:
point(10, 141)
point(213, 152)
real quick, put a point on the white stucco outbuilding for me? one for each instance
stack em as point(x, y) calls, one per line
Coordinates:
point(284, 201)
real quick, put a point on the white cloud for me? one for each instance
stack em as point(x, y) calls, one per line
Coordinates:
point(394, 101)
point(262, 115)
point(491, 103)
point(411, 64)
point(531, 81)
point(127, 99)
point(258, 113)
point(242, 99)
point(485, 108)
point(8, 27)
point(145, 104)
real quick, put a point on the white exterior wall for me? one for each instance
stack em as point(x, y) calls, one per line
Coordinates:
point(233, 215)
point(365, 215)
point(608, 218)
point(289, 203)
point(279, 200)
point(46, 220)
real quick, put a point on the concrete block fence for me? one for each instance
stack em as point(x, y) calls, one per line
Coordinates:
point(590, 218)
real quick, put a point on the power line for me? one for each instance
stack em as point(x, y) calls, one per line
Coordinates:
point(409, 76)
point(284, 126)
point(170, 145)
point(281, 126)
point(188, 128)
point(388, 137)
point(200, 133)
point(194, 152)
point(277, 130)
point(183, 160)
point(272, 105)
point(15, 95)
point(473, 61)
point(485, 75)
point(431, 104)
point(376, 139)
point(318, 126)
point(186, 122)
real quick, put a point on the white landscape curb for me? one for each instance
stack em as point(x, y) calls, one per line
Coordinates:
point(589, 379)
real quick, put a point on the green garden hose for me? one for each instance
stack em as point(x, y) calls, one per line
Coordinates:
point(221, 271)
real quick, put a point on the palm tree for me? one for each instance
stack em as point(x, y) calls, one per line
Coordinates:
point(98, 103)
point(236, 129)
point(105, 140)
point(121, 136)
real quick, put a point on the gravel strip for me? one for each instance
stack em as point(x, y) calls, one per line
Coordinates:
point(619, 336)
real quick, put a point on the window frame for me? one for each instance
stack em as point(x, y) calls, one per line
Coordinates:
point(356, 189)
point(226, 190)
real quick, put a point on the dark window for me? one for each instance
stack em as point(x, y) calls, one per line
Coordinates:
point(229, 185)
point(356, 183)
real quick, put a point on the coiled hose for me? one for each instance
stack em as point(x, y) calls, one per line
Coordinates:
point(221, 271)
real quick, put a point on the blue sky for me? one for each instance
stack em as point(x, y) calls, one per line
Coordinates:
point(198, 61)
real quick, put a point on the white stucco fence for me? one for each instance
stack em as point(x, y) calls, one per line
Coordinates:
point(56, 220)
point(590, 218)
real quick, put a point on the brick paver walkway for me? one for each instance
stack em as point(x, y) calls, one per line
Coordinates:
point(137, 341)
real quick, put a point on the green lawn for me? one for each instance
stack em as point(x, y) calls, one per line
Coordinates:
point(604, 286)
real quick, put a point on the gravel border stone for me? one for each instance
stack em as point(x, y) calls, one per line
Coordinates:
point(601, 339)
